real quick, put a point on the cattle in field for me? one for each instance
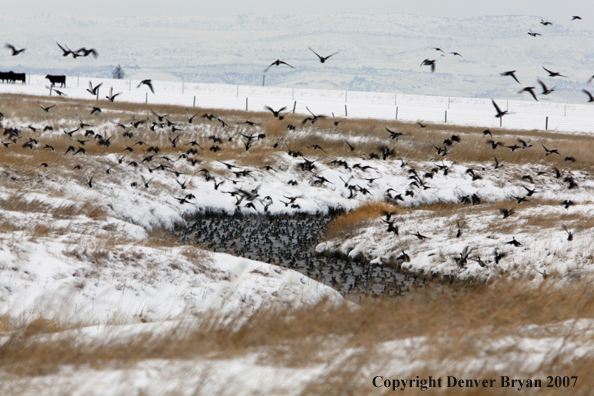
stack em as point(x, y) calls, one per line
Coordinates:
point(57, 79)
point(19, 77)
point(12, 77)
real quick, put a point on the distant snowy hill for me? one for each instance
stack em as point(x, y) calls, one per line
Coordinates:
point(377, 53)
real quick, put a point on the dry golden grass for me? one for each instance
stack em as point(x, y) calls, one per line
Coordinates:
point(462, 317)
point(357, 218)
point(416, 144)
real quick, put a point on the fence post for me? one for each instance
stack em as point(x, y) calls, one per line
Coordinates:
point(396, 113)
point(446, 116)
point(500, 122)
point(547, 124)
point(146, 99)
point(246, 104)
point(194, 105)
point(294, 106)
point(263, 79)
point(345, 110)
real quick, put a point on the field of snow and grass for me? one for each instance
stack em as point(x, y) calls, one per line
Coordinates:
point(523, 114)
point(99, 296)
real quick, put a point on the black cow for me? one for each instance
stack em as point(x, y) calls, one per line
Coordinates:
point(57, 79)
point(19, 77)
point(4, 76)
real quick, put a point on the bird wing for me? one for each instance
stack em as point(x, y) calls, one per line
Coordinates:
point(496, 107)
point(315, 52)
point(283, 62)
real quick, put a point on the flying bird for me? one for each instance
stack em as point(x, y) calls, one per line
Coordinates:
point(148, 83)
point(545, 23)
point(591, 98)
point(511, 73)
point(93, 90)
point(533, 34)
point(277, 62)
point(576, 17)
point(85, 52)
point(111, 96)
point(323, 58)
point(553, 74)
point(65, 51)
point(499, 112)
point(531, 90)
point(15, 51)
point(275, 112)
point(545, 90)
point(429, 62)
point(46, 109)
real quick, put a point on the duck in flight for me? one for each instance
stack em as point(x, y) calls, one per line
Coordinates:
point(277, 62)
point(553, 74)
point(512, 74)
point(323, 59)
point(499, 112)
point(429, 62)
point(15, 51)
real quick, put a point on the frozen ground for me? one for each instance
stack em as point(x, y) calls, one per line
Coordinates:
point(88, 255)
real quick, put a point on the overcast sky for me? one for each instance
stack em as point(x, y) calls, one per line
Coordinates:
point(548, 9)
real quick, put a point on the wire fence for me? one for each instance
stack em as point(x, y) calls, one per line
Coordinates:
point(352, 104)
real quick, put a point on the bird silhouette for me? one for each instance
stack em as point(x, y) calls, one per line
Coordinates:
point(512, 74)
point(531, 90)
point(275, 112)
point(15, 51)
point(545, 23)
point(545, 90)
point(148, 83)
point(323, 58)
point(533, 34)
point(552, 73)
point(111, 95)
point(499, 112)
point(93, 90)
point(429, 62)
point(277, 62)
point(590, 97)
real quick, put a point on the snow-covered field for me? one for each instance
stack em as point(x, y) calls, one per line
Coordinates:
point(94, 250)
point(561, 117)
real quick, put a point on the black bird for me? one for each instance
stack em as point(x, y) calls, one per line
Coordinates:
point(551, 151)
point(15, 51)
point(275, 112)
point(525, 144)
point(545, 90)
point(487, 132)
point(590, 97)
point(545, 23)
point(148, 83)
point(507, 212)
point(534, 34)
point(460, 226)
point(93, 90)
point(512, 74)
point(529, 192)
point(569, 233)
point(90, 180)
point(46, 109)
point(420, 236)
point(277, 62)
point(498, 256)
point(497, 163)
point(464, 256)
point(456, 54)
point(499, 112)
point(65, 52)
point(85, 52)
point(111, 96)
point(350, 146)
point(513, 242)
point(323, 58)
point(531, 90)
point(429, 62)
point(394, 135)
point(552, 73)
point(576, 17)
point(335, 120)
point(567, 203)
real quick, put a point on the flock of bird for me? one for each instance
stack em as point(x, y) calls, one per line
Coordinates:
point(147, 159)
